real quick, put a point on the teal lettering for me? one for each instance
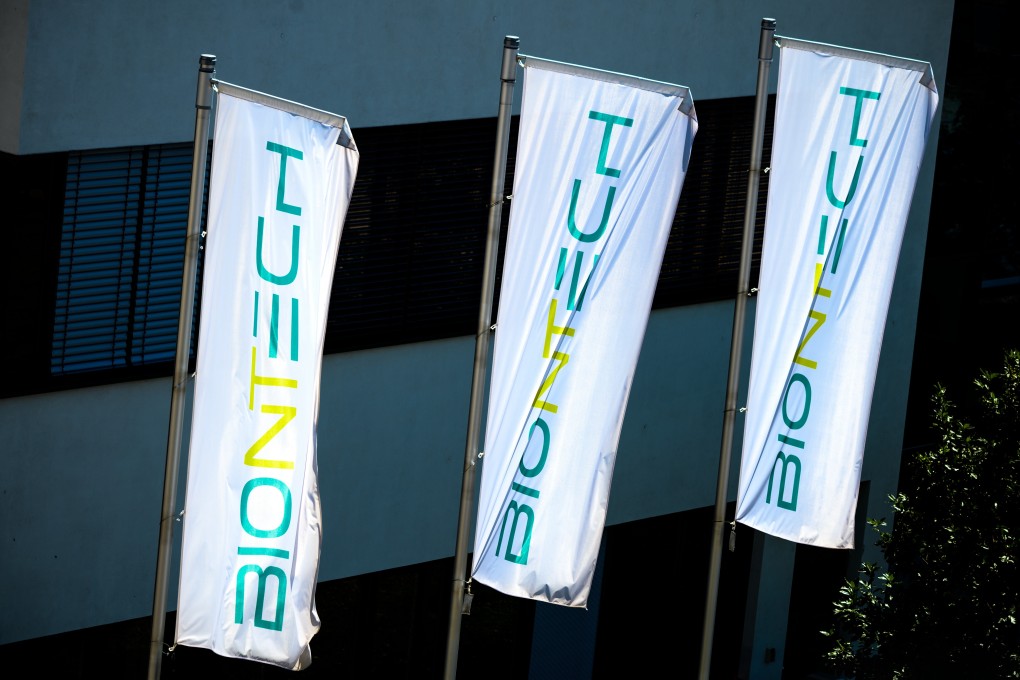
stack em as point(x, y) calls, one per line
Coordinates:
point(285, 153)
point(552, 329)
point(859, 97)
point(571, 222)
point(830, 192)
point(533, 471)
point(573, 300)
point(274, 327)
point(785, 461)
point(269, 552)
point(255, 318)
point(295, 244)
point(524, 490)
point(797, 424)
point(790, 440)
point(293, 329)
point(518, 510)
point(284, 524)
point(822, 231)
point(281, 596)
point(839, 246)
point(610, 120)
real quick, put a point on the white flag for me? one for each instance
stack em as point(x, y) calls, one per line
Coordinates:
point(601, 159)
point(849, 137)
point(279, 190)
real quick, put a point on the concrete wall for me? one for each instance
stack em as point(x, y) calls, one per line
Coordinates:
point(13, 39)
point(122, 72)
point(81, 492)
point(82, 470)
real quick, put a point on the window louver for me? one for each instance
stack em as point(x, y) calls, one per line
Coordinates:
point(410, 261)
point(121, 256)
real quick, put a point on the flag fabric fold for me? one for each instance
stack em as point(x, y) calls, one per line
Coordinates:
point(279, 190)
point(601, 160)
point(849, 138)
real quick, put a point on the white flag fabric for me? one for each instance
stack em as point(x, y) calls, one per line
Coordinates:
point(601, 159)
point(278, 194)
point(849, 137)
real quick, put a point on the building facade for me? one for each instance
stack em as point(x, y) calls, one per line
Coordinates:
point(96, 123)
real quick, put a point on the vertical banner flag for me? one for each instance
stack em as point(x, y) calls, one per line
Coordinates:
point(601, 159)
point(280, 186)
point(849, 137)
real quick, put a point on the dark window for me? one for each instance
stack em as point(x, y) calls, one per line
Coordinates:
point(121, 256)
point(410, 262)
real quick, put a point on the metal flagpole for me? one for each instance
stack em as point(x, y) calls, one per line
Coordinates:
point(768, 29)
point(508, 76)
point(206, 68)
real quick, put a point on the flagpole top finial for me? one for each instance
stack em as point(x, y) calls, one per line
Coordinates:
point(207, 62)
point(512, 41)
point(768, 24)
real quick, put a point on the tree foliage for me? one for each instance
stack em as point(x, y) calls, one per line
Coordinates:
point(946, 605)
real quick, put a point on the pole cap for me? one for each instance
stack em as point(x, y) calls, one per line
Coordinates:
point(512, 41)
